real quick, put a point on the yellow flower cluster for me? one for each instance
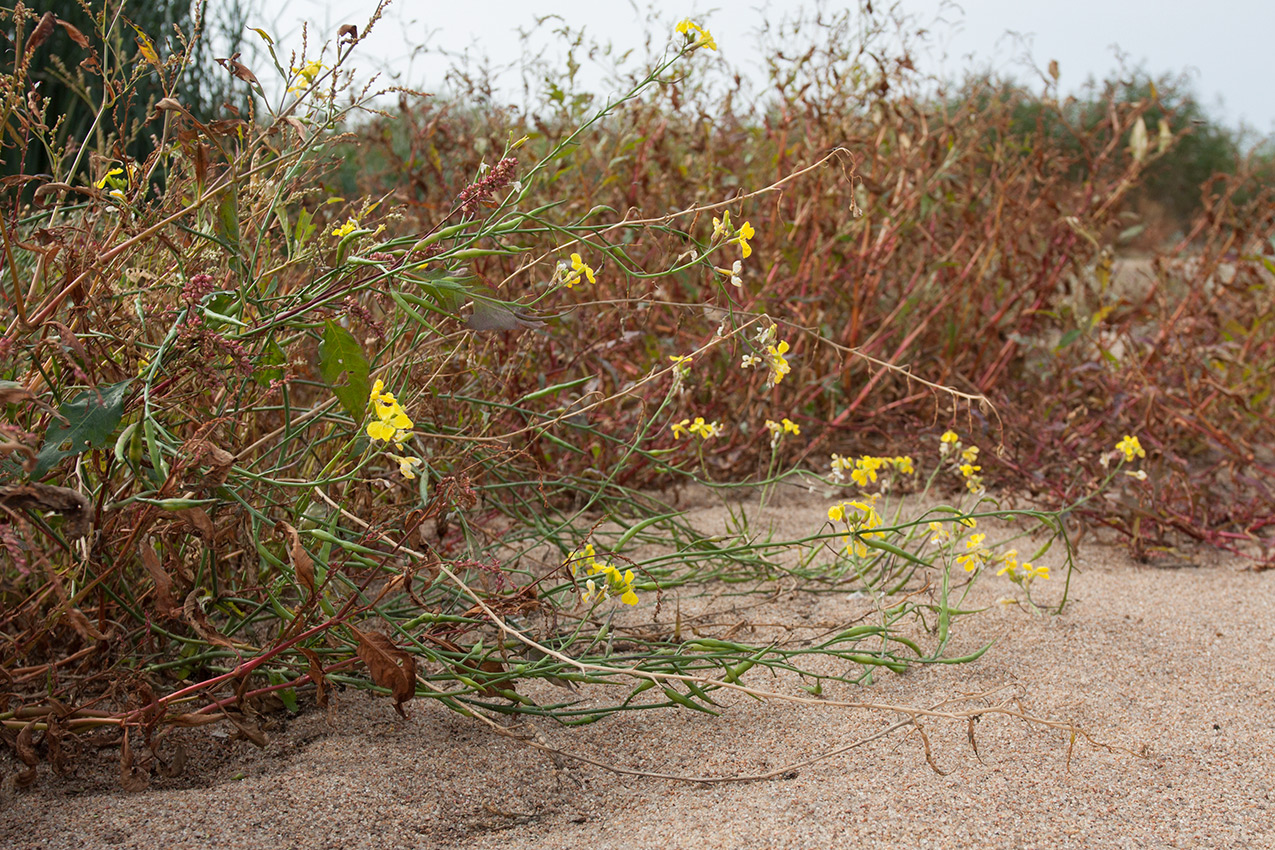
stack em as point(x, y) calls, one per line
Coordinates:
point(951, 442)
point(614, 583)
point(864, 470)
point(344, 230)
point(306, 76)
point(391, 424)
point(787, 426)
point(723, 229)
point(975, 555)
point(579, 270)
point(699, 426)
point(703, 38)
point(1020, 573)
point(861, 517)
point(778, 429)
point(1131, 448)
point(777, 362)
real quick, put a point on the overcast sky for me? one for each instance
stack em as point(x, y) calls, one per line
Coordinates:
point(1223, 44)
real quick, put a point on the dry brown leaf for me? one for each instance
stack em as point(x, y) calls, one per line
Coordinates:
point(53, 735)
point(76, 36)
point(13, 395)
point(234, 66)
point(248, 728)
point(218, 460)
point(390, 666)
point(131, 778)
point(490, 665)
point(165, 602)
point(193, 613)
point(194, 718)
point(198, 520)
point(42, 31)
point(348, 29)
point(317, 676)
point(72, 504)
point(168, 104)
point(175, 766)
point(302, 563)
point(26, 746)
point(83, 627)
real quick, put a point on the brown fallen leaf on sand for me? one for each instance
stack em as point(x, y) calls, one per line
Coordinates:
point(390, 666)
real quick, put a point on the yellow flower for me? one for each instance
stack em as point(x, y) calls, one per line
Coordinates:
point(746, 232)
point(792, 427)
point(968, 469)
point(344, 230)
point(836, 513)
point(406, 465)
point(940, 533)
point(904, 465)
point(679, 428)
point(1131, 448)
point(703, 38)
point(1036, 572)
point(683, 362)
point(392, 423)
point(735, 273)
point(721, 226)
point(949, 437)
point(970, 455)
point(778, 363)
point(579, 267)
point(107, 178)
point(306, 75)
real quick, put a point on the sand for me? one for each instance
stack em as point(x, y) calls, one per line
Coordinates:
point(1173, 667)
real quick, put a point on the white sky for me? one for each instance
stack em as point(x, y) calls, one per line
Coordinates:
point(1223, 44)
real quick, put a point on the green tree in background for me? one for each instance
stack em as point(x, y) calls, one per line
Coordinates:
point(63, 69)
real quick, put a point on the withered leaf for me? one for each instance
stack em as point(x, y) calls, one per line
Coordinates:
point(495, 316)
point(193, 613)
point(218, 459)
point(72, 504)
point(131, 778)
point(390, 666)
point(317, 676)
point(82, 625)
point(197, 519)
point(165, 602)
point(42, 31)
point(248, 728)
point(492, 666)
point(11, 393)
point(194, 718)
point(168, 104)
point(26, 746)
point(234, 66)
point(302, 563)
point(226, 126)
point(53, 736)
point(75, 35)
point(175, 766)
point(349, 29)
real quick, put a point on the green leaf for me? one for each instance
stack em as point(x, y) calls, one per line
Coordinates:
point(1067, 339)
point(344, 369)
point(90, 421)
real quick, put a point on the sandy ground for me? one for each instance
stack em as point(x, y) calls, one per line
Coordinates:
point(1175, 667)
